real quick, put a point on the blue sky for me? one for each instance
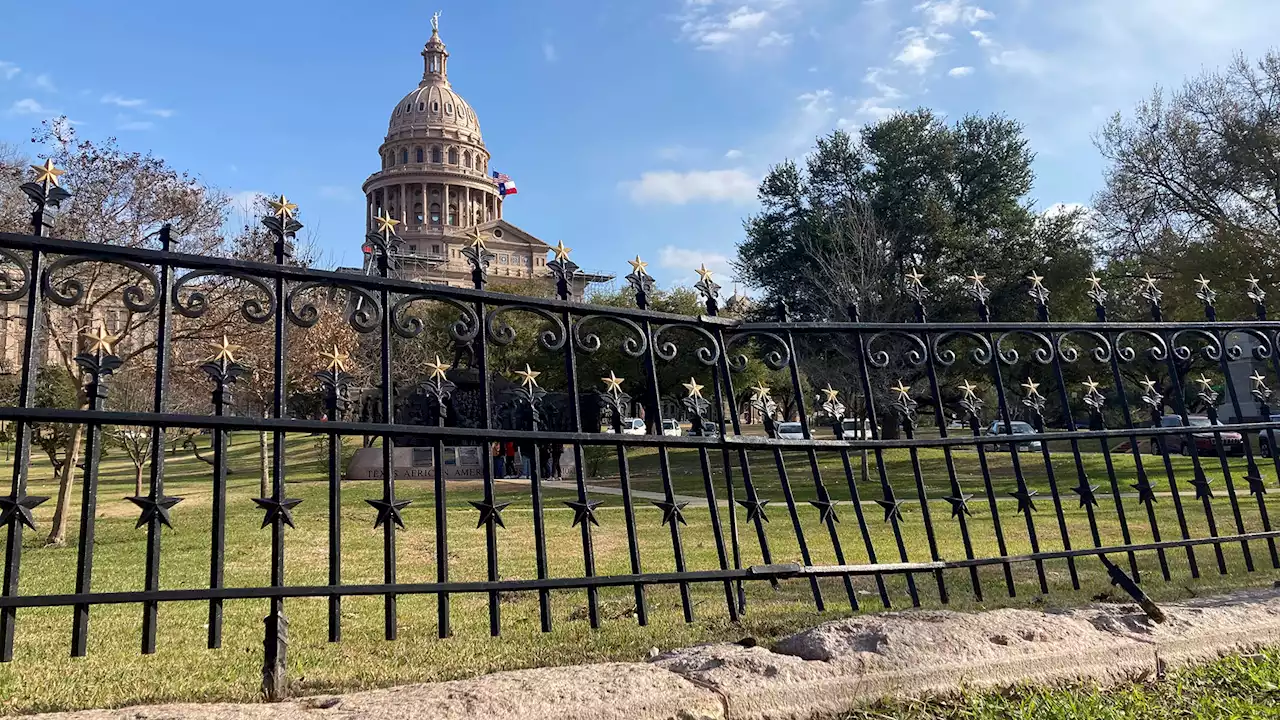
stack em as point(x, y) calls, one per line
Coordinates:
point(631, 126)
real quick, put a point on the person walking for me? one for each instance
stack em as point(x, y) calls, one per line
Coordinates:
point(499, 467)
point(510, 448)
point(557, 454)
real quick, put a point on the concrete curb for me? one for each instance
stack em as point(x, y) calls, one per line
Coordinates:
point(818, 673)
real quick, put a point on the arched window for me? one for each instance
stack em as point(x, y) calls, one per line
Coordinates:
point(404, 157)
point(448, 108)
point(435, 154)
point(417, 212)
point(453, 214)
point(435, 107)
point(422, 106)
point(453, 156)
point(408, 106)
point(435, 213)
point(419, 154)
point(466, 158)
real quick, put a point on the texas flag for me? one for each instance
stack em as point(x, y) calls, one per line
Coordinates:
point(505, 185)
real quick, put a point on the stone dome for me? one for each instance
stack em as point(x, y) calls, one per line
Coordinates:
point(434, 104)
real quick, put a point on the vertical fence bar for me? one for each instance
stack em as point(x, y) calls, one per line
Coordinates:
point(972, 405)
point(564, 270)
point(335, 380)
point(533, 396)
point(1095, 401)
point(439, 389)
point(99, 362)
point(223, 370)
point(695, 405)
point(616, 401)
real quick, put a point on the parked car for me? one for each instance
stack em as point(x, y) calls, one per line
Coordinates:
point(709, 429)
point(671, 428)
point(854, 429)
point(1264, 445)
point(1019, 428)
point(1200, 443)
point(790, 431)
point(633, 426)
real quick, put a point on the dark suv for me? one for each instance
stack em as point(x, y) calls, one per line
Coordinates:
point(1201, 442)
point(1264, 445)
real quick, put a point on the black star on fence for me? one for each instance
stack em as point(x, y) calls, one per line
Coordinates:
point(1146, 493)
point(959, 505)
point(892, 507)
point(671, 511)
point(1086, 493)
point(389, 511)
point(826, 510)
point(584, 511)
point(755, 509)
point(154, 508)
point(18, 508)
point(490, 512)
point(1256, 485)
point(1024, 496)
point(277, 509)
point(1203, 491)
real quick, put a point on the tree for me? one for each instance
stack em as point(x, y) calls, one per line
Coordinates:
point(121, 198)
point(1193, 183)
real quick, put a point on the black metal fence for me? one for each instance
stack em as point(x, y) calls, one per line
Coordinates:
point(1033, 451)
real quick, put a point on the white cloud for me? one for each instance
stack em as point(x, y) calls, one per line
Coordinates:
point(960, 71)
point(549, 52)
point(160, 112)
point(244, 201)
point(733, 154)
point(686, 260)
point(43, 82)
point(721, 24)
point(983, 39)
point(816, 101)
point(916, 54)
point(944, 13)
point(923, 44)
point(680, 188)
point(29, 106)
point(8, 70)
point(119, 101)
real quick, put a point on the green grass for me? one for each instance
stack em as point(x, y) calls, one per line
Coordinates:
point(1234, 687)
point(43, 677)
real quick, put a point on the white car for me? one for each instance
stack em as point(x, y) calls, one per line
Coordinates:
point(854, 429)
point(790, 431)
point(671, 428)
point(633, 426)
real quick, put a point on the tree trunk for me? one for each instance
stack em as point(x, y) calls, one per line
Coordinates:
point(263, 479)
point(137, 480)
point(66, 479)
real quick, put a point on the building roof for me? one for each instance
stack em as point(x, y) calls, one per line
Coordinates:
point(434, 103)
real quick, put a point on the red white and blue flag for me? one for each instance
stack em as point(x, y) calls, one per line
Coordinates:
point(505, 185)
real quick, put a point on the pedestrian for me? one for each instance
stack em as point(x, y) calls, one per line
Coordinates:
point(557, 453)
point(511, 458)
point(526, 460)
point(499, 469)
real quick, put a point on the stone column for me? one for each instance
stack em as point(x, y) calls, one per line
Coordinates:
point(426, 210)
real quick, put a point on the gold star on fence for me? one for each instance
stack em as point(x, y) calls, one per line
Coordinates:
point(976, 278)
point(100, 341)
point(1091, 384)
point(916, 277)
point(528, 376)
point(1205, 383)
point(1031, 386)
point(612, 383)
point(562, 252)
point(704, 275)
point(903, 390)
point(1148, 385)
point(48, 173)
point(1037, 280)
point(337, 359)
point(969, 389)
point(282, 208)
point(386, 223)
point(638, 266)
point(1202, 281)
point(830, 392)
point(1095, 282)
point(1148, 281)
point(224, 351)
point(1258, 379)
point(1252, 280)
point(693, 388)
point(477, 240)
point(760, 391)
point(438, 369)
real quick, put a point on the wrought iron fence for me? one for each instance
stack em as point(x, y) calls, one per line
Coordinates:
point(922, 363)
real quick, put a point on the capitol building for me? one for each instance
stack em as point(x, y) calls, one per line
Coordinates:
point(435, 178)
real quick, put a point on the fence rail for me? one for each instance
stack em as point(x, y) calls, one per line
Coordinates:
point(965, 470)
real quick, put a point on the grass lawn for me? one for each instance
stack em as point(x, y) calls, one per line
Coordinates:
point(1234, 687)
point(44, 677)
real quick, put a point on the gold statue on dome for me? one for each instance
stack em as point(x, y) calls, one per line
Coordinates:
point(435, 22)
